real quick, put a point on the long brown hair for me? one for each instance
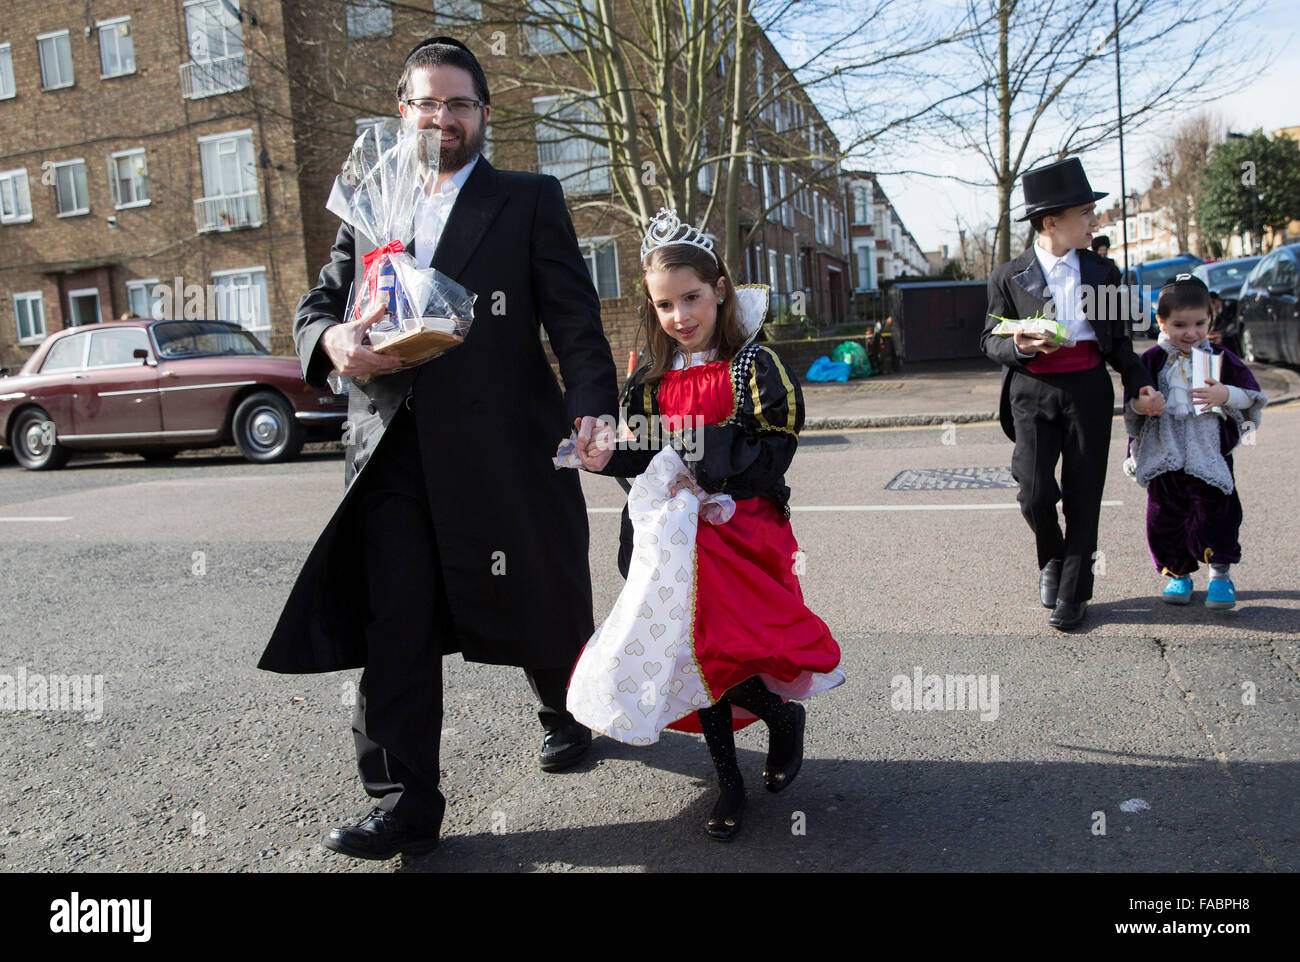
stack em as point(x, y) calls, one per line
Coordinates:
point(728, 338)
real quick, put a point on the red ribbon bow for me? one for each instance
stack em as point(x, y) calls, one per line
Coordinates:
point(370, 279)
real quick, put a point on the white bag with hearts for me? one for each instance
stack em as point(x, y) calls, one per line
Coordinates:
point(638, 672)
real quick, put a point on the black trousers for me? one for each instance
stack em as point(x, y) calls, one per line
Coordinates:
point(1063, 418)
point(397, 721)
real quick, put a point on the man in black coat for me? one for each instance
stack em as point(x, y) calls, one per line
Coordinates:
point(455, 532)
point(1057, 402)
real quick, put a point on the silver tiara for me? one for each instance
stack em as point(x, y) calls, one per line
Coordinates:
point(666, 229)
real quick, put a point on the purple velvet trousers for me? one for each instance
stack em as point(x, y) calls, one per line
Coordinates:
point(1191, 522)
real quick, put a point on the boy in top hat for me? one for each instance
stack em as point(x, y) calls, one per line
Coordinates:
point(1057, 402)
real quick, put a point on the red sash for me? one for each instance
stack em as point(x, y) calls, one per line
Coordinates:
point(1081, 357)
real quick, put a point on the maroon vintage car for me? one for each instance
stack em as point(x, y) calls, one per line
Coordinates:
point(156, 387)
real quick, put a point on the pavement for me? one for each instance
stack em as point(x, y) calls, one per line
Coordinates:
point(1153, 739)
point(957, 392)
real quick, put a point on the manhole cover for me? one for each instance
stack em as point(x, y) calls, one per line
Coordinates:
point(946, 479)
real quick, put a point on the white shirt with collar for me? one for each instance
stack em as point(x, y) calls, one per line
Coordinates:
point(432, 212)
point(1063, 281)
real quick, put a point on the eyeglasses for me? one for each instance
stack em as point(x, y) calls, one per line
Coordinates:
point(460, 107)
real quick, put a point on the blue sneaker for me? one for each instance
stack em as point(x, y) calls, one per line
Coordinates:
point(1178, 591)
point(1221, 593)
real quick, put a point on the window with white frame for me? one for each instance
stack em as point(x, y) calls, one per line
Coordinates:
point(216, 45)
point(70, 187)
point(864, 266)
point(459, 11)
point(29, 313)
point(861, 203)
point(569, 145)
point(555, 25)
point(143, 298)
point(749, 164)
point(7, 89)
point(15, 199)
point(56, 60)
point(772, 279)
point(789, 273)
point(116, 47)
point(601, 255)
point(128, 178)
point(230, 198)
point(241, 297)
point(369, 18)
point(704, 174)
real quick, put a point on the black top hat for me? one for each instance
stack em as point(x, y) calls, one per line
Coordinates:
point(1054, 187)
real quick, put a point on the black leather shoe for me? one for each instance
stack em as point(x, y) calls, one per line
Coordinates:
point(380, 835)
point(1049, 582)
point(1067, 614)
point(724, 820)
point(781, 769)
point(563, 747)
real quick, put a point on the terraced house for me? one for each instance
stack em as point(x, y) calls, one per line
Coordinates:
point(175, 156)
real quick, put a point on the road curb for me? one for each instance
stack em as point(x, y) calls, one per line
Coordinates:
point(850, 422)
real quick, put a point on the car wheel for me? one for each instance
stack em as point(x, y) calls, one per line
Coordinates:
point(158, 454)
point(1247, 344)
point(265, 428)
point(35, 442)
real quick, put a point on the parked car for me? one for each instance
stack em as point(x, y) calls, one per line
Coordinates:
point(1148, 278)
point(1225, 279)
point(157, 387)
point(1268, 325)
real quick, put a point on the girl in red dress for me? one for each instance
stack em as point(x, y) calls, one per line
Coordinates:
point(754, 640)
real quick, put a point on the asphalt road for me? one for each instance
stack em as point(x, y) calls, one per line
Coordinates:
point(201, 762)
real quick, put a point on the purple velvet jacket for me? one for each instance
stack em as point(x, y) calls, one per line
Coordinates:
point(1234, 372)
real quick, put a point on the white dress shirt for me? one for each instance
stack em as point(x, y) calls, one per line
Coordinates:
point(432, 211)
point(1062, 275)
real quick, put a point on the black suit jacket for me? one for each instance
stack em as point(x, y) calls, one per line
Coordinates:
point(511, 530)
point(1018, 289)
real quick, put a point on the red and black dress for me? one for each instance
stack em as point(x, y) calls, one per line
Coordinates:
point(750, 618)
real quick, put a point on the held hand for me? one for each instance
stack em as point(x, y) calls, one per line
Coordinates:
point(595, 442)
point(1212, 395)
point(352, 358)
point(1149, 402)
point(684, 482)
point(1034, 343)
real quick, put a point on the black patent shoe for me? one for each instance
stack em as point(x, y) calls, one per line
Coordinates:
point(781, 770)
point(724, 820)
point(381, 835)
point(563, 747)
point(1067, 615)
point(1049, 582)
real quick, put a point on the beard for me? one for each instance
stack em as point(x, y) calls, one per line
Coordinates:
point(451, 159)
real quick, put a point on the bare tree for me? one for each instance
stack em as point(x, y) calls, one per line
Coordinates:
point(1048, 77)
point(1179, 165)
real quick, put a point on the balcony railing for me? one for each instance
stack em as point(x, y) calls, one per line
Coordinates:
point(207, 78)
point(228, 212)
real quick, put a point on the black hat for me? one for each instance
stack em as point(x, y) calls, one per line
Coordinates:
point(1054, 187)
point(1190, 281)
point(446, 41)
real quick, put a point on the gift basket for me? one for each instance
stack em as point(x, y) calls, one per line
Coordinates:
point(378, 192)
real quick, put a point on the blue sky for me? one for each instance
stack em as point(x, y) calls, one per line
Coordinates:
point(1268, 99)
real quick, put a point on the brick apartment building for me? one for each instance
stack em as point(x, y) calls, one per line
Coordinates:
point(143, 141)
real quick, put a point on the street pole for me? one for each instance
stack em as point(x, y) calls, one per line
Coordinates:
point(1123, 186)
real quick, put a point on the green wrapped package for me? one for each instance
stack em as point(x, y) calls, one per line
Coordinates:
point(1055, 330)
point(855, 356)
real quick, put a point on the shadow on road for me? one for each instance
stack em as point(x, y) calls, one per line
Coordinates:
point(1161, 814)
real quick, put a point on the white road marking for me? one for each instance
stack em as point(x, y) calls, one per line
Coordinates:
point(68, 518)
point(885, 507)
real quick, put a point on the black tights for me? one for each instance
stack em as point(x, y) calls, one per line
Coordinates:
point(755, 697)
